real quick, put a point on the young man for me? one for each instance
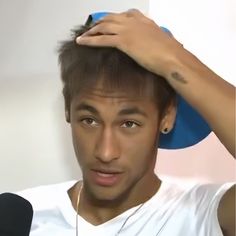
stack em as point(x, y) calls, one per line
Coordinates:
point(120, 79)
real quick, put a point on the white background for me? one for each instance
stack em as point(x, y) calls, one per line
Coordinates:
point(35, 142)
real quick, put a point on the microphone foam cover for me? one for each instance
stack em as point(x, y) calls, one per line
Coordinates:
point(16, 215)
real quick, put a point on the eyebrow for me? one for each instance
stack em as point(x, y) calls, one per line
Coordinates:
point(86, 107)
point(132, 111)
point(126, 111)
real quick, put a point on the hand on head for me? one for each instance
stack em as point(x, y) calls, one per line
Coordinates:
point(136, 35)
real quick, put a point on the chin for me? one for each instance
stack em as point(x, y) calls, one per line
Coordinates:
point(106, 195)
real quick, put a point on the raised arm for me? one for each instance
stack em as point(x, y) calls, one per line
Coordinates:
point(145, 42)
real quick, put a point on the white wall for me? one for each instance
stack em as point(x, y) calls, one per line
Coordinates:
point(35, 142)
point(208, 29)
point(205, 27)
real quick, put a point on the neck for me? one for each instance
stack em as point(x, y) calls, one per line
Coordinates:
point(98, 212)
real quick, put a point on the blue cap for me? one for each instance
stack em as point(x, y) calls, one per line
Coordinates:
point(189, 128)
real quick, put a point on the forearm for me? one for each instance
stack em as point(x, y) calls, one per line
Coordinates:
point(210, 95)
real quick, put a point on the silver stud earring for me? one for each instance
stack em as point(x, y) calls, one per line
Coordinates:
point(165, 131)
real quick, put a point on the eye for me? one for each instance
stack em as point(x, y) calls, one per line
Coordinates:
point(89, 122)
point(130, 124)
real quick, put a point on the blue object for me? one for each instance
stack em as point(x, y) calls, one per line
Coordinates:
point(190, 128)
point(98, 15)
point(164, 29)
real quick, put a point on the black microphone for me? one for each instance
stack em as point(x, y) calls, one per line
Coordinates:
point(16, 215)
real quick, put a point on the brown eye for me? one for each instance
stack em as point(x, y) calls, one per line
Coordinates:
point(89, 122)
point(130, 124)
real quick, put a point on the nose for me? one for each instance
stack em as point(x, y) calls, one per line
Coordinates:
point(107, 147)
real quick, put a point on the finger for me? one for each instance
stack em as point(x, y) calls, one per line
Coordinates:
point(98, 41)
point(113, 17)
point(103, 28)
point(137, 15)
point(120, 17)
point(134, 13)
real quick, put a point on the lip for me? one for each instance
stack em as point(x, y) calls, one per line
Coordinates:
point(106, 178)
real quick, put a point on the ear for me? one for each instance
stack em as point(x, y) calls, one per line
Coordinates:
point(67, 115)
point(168, 119)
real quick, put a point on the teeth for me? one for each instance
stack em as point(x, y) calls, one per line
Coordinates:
point(104, 174)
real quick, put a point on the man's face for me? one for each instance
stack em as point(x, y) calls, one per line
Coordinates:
point(114, 137)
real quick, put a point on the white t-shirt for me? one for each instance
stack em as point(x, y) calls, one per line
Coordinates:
point(174, 210)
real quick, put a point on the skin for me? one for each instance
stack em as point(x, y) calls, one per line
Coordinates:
point(207, 92)
point(113, 131)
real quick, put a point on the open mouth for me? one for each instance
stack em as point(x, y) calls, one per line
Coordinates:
point(106, 177)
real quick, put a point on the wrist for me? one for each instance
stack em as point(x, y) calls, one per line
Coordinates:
point(180, 67)
point(172, 62)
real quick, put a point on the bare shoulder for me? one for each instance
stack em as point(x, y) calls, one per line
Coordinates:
point(226, 212)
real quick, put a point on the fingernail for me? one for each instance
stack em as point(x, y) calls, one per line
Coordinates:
point(78, 39)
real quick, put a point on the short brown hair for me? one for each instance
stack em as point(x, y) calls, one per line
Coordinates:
point(82, 67)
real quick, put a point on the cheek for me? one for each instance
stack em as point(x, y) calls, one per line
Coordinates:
point(82, 145)
point(140, 151)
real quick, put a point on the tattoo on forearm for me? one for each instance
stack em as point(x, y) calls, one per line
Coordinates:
point(178, 77)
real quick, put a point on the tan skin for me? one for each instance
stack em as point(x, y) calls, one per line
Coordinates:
point(214, 98)
point(115, 131)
